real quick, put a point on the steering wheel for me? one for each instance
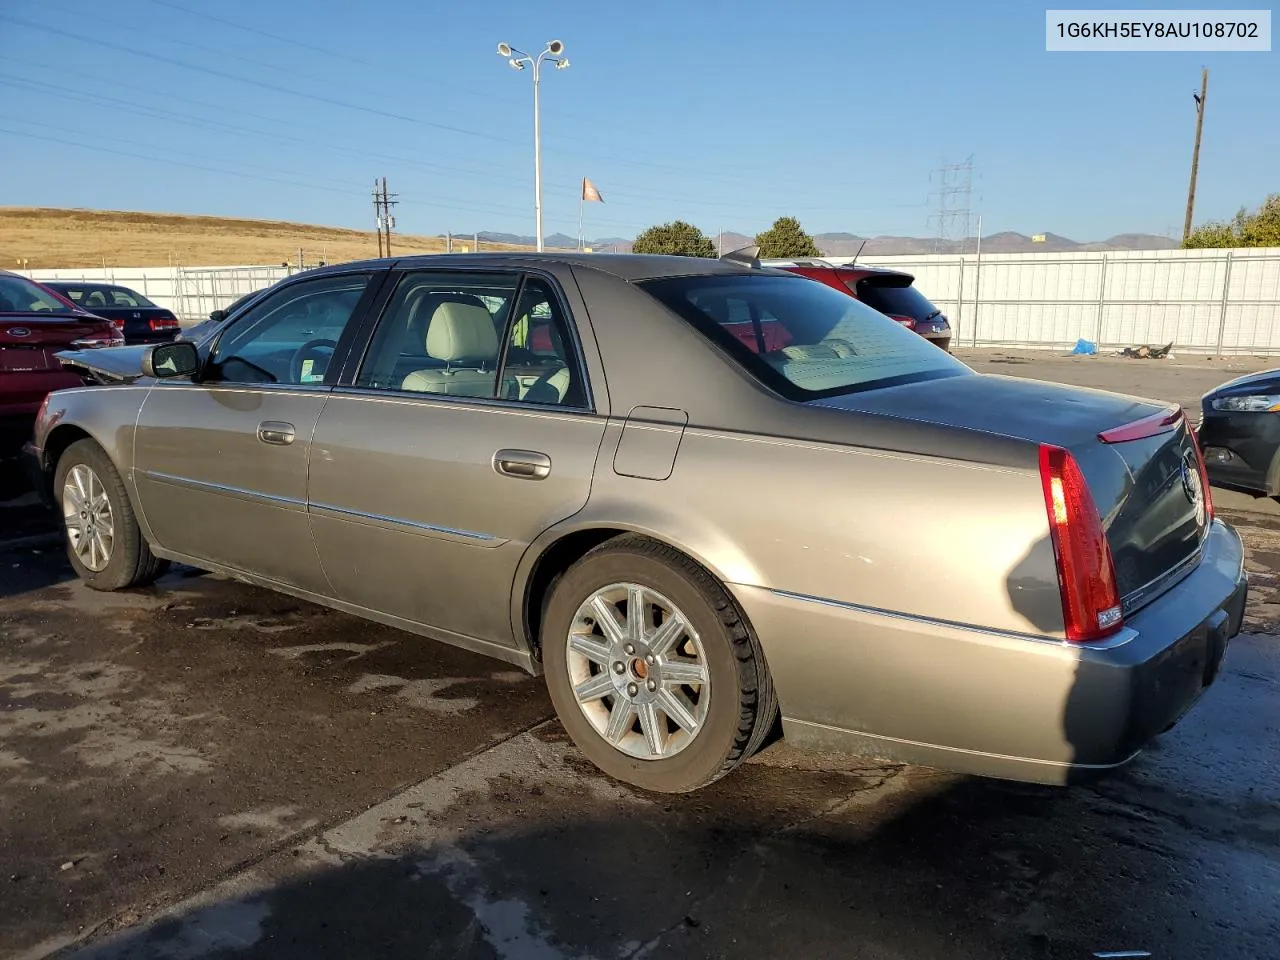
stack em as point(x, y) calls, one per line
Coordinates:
point(300, 356)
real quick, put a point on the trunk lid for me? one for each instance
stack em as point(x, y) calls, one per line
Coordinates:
point(29, 342)
point(1147, 490)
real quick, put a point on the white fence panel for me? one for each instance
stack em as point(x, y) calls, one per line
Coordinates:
point(190, 292)
point(1218, 301)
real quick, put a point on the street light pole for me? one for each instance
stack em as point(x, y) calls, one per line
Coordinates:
point(518, 59)
point(537, 153)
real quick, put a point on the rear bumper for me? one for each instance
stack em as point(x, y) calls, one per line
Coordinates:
point(33, 465)
point(857, 680)
point(15, 430)
point(937, 333)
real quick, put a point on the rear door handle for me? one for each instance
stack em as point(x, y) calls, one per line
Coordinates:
point(522, 464)
point(277, 432)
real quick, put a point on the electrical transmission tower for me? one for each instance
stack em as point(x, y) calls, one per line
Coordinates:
point(953, 193)
point(382, 204)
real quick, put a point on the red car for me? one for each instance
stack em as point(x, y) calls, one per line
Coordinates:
point(889, 291)
point(36, 323)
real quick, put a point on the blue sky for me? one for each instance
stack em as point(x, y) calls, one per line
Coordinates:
point(727, 113)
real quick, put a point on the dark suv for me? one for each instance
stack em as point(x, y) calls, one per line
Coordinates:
point(889, 291)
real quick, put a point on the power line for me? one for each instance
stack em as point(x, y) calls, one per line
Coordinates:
point(725, 178)
point(190, 119)
point(331, 101)
point(128, 106)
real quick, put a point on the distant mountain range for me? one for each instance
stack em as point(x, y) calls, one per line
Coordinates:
point(848, 244)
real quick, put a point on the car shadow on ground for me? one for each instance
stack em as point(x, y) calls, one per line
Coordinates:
point(746, 869)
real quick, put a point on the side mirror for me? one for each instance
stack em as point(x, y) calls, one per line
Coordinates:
point(166, 360)
point(218, 316)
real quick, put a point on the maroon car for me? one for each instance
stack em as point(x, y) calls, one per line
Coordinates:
point(35, 324)
point(889, 291)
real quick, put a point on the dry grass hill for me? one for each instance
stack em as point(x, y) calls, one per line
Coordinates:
point(48, 237)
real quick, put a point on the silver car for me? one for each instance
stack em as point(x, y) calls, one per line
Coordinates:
point(701, 497)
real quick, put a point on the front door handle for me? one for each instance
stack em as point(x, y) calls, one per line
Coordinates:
point(522, 464)
point(276, 431)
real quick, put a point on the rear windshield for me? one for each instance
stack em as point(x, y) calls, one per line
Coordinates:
point(803, 338)
point(896, 297)
point(95, 296)
point(19, 295)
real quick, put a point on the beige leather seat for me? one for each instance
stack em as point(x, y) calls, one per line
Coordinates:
point(463, 336)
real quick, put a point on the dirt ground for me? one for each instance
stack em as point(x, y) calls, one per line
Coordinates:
point(48, 238)
point(207, 770)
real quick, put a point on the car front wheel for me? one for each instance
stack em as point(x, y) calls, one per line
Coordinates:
point(104, 542)
point(653, 669)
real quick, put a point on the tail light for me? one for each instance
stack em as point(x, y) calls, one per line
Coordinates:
point(1091, 607)
point(117, 323)
point(1204, 478)
point(102, 339)
point(163, 323)
point(908, 322)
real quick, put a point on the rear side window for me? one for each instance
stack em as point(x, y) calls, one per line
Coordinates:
point(898, 299)
point(804, 339)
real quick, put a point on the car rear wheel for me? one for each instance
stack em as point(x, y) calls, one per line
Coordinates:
point(652, 668)
point(104, 542)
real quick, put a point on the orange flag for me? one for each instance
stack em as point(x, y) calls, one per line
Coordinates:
point(589, 191)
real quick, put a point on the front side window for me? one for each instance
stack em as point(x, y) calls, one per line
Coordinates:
point(803, 338)
point(290, 337)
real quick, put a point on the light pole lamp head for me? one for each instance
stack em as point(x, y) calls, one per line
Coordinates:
point(504, 49)
point(555, 47)
point(515, 64)
point(562, 64)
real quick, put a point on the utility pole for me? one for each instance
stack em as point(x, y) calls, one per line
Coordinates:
point(382, 204)
point(1195, 154)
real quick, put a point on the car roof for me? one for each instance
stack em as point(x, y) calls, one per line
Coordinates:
point(87, 284)
point(625, 266)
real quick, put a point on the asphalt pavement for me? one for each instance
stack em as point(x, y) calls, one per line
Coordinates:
point(203, 769)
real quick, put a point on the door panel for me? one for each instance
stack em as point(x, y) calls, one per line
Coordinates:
point(221, 464)
point(411, 515)
point(210, 488)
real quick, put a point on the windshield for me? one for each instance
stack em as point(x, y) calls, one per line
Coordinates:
point(803, 338)
point(896, 297)
point(19, 295)
point(90, 297)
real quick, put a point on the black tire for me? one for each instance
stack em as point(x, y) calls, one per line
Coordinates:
point(131, 562)
point(742, 705)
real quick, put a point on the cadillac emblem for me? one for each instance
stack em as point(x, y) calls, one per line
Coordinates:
point(1192, 486)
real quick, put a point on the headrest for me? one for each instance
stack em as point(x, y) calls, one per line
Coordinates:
point(461, 331)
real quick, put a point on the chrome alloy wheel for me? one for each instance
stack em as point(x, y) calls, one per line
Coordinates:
point(86, 511)
point(638, 671)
